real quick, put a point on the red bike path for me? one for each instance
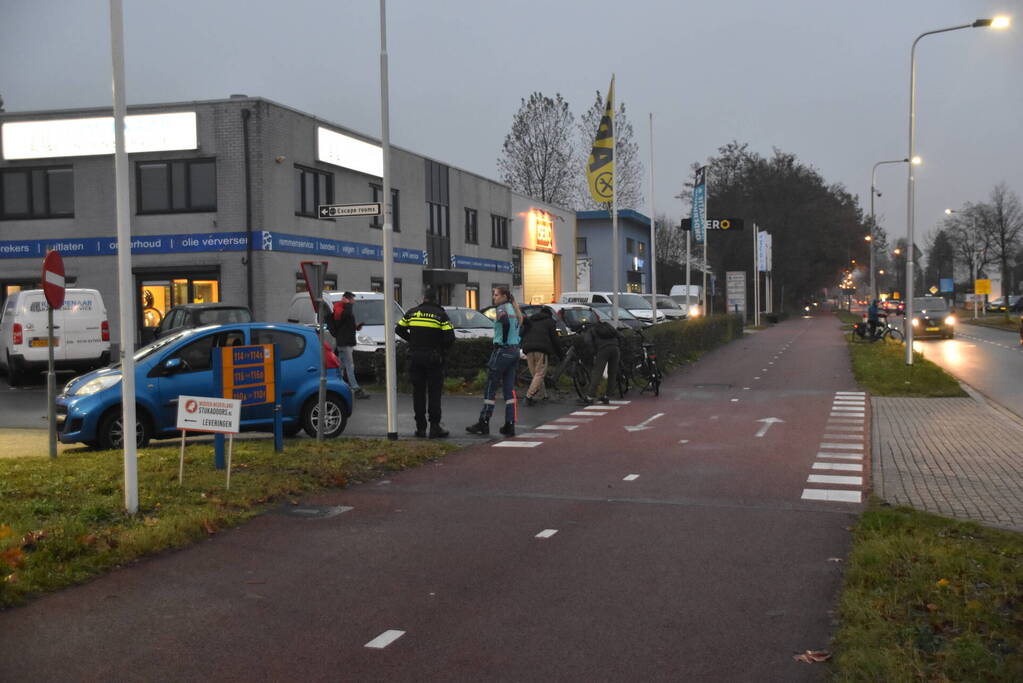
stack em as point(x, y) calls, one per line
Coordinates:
point(710, 565)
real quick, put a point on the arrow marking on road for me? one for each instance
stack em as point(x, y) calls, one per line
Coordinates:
point(643, 425)
point(768, 421)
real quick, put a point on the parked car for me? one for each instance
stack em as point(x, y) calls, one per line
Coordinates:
point(81, 333)
point(469, 323)
point(369, 312)
point(89, 407)
point(999, 306)
point(634, 303)
point(188, 316)
point(932, 318)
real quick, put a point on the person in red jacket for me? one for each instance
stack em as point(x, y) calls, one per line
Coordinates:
point(342, 326)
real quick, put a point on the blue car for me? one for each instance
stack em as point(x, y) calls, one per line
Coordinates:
point(89, 407)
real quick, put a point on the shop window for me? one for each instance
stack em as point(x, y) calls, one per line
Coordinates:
point(472, 295)
point(376, 285)
point(499, 232)
point(376, 191)
point(472, 228)
point(630, 245)
point(634, 279)
point(27, 193)
point(176, 186)
point(312, 188)
point(158, 296)
point(580, 245)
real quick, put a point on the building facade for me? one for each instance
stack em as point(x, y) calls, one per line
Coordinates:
point(543, 248)
point(224, 198)
point(594, 266)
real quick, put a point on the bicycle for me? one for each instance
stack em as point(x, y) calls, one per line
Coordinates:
point(645, 368)
point(882, 331)
point(572, 363)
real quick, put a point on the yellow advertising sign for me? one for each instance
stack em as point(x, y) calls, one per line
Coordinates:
point(600, 167)
point(248, 373)
point(982, 286)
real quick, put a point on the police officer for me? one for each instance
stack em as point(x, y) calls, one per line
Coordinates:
point(429, 333)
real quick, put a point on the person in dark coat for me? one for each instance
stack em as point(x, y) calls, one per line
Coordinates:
point(540, 344)
point(429, 333)
point(603, 339)
point(342, 325)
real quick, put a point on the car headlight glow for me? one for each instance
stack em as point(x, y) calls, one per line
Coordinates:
point(365, 340)
point(950, 320)
point(98, 384)
point(916, 322)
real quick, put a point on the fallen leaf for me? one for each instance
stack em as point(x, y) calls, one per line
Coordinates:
point(11, 578)
point(89, 540)
point(812, 656)
point(6, 531)
point(942, 582)
point(835, 559)
point(12, 557)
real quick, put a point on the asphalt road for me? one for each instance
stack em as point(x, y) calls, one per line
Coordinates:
point(987, 359)
point(666, 538)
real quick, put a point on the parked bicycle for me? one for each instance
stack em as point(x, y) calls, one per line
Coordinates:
point(643, 369)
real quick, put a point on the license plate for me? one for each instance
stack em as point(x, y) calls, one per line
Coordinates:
point(933, 329)
point(43, 342)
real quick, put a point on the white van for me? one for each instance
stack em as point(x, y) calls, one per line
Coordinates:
point(635, 304)
point(369, 310)
point(695, 298)
point(81, 333)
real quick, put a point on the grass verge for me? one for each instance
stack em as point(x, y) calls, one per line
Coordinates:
point(63, 522)
point(930, 599)
point(881, 369)
point(998, 322)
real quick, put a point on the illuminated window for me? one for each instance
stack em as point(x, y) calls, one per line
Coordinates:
point(188, 185)
point(312, 188)
point(37, 193)
point(472, 295)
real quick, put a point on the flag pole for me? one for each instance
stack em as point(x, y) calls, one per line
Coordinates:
point(653, 229)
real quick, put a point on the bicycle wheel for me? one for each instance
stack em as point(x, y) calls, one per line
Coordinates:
point(580, 379)
point(896, 334)
point(623, 382)
point(655, 378)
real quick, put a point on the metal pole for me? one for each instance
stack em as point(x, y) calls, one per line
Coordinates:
point(688, 233)
point(653, 228)
point(51, 386)
point(388, 232)
point(615, 249)
point(322, 397)
point(756, 278)
point(126, 288)
point(873, 191)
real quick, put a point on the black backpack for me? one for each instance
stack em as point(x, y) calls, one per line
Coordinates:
point(604, 330)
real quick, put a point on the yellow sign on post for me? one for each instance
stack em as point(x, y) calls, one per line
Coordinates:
point(982, 286)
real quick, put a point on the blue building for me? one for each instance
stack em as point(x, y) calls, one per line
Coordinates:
point(594, 253)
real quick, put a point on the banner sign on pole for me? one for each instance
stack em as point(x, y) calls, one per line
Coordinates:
point(699, 213)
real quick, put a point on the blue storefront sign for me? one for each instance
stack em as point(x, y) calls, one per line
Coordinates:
point(141, 244)
point(300, 244)
point(477, 263)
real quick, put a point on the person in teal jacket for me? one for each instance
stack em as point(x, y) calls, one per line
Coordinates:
point(503, 363)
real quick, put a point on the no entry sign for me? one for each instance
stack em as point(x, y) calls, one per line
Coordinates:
point(53, 279)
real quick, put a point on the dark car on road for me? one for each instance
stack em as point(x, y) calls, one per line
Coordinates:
point(932, 318)
point(189, 316)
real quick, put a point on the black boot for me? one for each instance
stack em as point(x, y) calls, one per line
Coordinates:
point(437, 431)
point(508, 429)
point(481, 428)
point(420, 430)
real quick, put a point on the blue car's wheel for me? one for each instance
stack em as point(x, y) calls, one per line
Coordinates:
point(110, 434)
point(336, 417)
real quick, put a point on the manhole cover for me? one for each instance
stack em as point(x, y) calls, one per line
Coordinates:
point(314, 511)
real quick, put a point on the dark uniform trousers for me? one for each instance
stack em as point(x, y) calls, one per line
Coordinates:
point(426, 370)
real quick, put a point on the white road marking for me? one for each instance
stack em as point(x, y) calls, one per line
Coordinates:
point(644, 424)
point(845, 446)
point(846, 466)
point(683, 440)
point(859, 404)
point(572, 419)
point(852, 437)
point(840, 456)
point(517, 444)
point(745, 388)
point(768, 423)
point(546, 533)
point(588, 413)
point(735, 400)
point(756, 378)
point(834, 479)
point(620, 403)
point(850, 393)
point(601, 407)
point(846, 415)
point(384, 639)
point(844, 428)
point(832, 496)
point(631, 477)
point(847, 409)
point(558, 427)
point(538, 435)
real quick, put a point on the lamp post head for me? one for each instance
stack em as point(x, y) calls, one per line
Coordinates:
point(916, 160)
point(997, 22)
point(949, 212)
point(868, 238)
point(898, 251)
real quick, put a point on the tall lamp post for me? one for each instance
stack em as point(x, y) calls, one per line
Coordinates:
point(870, 237)
point(998, 22)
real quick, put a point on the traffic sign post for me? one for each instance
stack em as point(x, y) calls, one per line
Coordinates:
point(53, 288)
point(315, 273)
point(344, 210)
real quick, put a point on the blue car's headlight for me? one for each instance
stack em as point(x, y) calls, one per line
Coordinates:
point(98, 384)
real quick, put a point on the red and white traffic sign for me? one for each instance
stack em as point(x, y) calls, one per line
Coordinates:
point(53, 279)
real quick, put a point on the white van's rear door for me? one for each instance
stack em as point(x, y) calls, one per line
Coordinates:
point(35, 322)
point(81, 328)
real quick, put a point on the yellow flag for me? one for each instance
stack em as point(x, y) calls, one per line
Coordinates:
point(600, 167)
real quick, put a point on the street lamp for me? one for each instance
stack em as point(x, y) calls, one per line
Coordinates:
point(873, 191)
point(997, 22)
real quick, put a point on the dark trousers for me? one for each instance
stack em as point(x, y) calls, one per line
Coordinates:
point(609, 356)
point(427, 381)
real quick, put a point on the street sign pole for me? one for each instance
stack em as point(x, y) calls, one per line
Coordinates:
point(389, 322)
point(756, 277)
point(126, 300)
point(315, 274)
point(53, 289)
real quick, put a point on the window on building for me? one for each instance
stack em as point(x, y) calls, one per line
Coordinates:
point(472, 295)
point(376, 284)
point(377, 191)
point(397, 290)
point(472, 228)
point(176, 186)
point(312, 188)
point(439, 220)
point(630, 245)
point(37, 193)
point(641, 249)
point(580, 245)
point(499, 232)
point(329, 282)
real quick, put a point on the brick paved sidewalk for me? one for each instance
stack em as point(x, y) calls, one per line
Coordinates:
point(952, 456)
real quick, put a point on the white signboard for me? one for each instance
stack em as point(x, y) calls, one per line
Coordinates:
point(348, 152)
point(764, 251)
point(205, 414)
point(735, 291)
point(95, 136)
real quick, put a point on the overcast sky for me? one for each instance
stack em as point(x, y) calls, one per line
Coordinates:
point(827, 81)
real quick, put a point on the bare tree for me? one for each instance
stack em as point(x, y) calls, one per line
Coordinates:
point(538, 158)
point(970, 242)
point(628, 165)
point(671, 240)
point(1002, 220)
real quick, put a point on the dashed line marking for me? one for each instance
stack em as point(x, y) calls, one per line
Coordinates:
point(847, 415)
point(588, 413)
point(840, 456)
point(850, 393)
point(601, 408)
point(384, 639)
point(538, 435)
point(631, 477)
point(854, 437)
point(832, 496)
point(517, 444)
point(558, 427)
point(838, 466)
point(620, 403)
point(734, 400)
point(834, 479)
point(845, 428)
point(841, 446)
point(546, 533)
point(572, 419)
